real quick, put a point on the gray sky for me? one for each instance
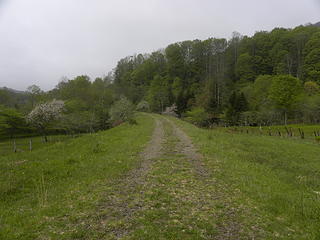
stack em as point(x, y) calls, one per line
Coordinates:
point(43, 40)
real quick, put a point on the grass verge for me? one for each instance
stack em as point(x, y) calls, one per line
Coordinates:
point(43, 193)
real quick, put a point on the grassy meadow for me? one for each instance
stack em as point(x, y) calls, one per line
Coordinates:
point(281, 177)
point(49, 189)
point(54, 191)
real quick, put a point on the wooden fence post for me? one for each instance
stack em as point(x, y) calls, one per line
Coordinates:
point(279, 133)
point(291, 132)
point(301, 133)
point(30, 144)
point(14, 146)
point(288, 133)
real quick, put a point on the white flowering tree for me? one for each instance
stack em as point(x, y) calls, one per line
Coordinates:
point(44, 114)
point(122, 111)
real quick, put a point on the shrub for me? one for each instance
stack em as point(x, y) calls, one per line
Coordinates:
point(143, 106)
point(122, 111)
point(198, 116)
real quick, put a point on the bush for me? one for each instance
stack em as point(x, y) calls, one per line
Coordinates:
point(143, 106)
point(122, 111)
point(198, 116)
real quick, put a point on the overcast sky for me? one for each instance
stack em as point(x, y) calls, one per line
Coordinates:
point(43, 40)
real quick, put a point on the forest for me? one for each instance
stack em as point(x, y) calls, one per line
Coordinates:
point(270, 78)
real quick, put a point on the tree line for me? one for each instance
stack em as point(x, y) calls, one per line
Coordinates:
point(269, 78)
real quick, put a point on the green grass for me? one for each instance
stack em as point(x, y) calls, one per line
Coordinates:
point(280, 176)
point(44, 193)
point(177, 203)
point(65, 190)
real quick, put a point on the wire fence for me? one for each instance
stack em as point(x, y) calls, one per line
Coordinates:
point(30, 144)
point(309, 133)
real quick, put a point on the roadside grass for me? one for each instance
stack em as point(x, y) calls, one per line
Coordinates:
point(280, 176)
point(44, 193)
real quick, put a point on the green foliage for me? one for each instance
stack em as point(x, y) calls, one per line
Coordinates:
point(310, 108)
point(261, 88)
point(237, 104)
point(244, 68)
point(122, 111)
point(311, 88)
point(198, 116)
point(12, 122)
point(158, 94)
point(143, 106)
point(284, 92)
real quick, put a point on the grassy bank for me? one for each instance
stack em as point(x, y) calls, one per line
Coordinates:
point(48, 190)
point(279, 176)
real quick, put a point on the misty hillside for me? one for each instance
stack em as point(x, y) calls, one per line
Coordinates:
point(12, 98)
point(12, 90)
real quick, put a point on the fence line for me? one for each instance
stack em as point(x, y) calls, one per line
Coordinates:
point(30, 144)
point(288, 132)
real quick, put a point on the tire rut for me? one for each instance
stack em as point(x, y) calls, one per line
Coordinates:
point(230, 228)
point(124, 199)
point(186, 147)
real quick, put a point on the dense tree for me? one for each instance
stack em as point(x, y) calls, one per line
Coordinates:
point(35, 94)
point(122, 111)
point(12, 122)
point(284, 92)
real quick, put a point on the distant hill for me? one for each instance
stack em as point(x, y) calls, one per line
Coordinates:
point(12, 90)
point(12, 98)
point(317, 24)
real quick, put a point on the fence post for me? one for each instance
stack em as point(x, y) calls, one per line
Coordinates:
point(279, 133)
point(291, 132)
point(301, 133)
point(288, 133)
point(30, 144)
point(14, 146)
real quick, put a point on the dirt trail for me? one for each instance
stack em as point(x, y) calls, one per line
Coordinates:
point(170, 195)
point(186, 147)
point(229, 228)
point(122, 202)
